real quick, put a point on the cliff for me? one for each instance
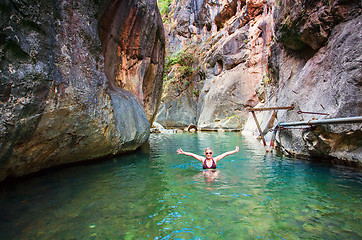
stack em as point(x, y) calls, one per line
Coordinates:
point(267, 53)
point(230, 44)
point(79, 80)
point(316, 66)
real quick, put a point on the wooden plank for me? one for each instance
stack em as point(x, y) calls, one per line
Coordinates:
point(271, 108)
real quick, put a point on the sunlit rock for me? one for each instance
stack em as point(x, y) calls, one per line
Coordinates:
point(231, 48)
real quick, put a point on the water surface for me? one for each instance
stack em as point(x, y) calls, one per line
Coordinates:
point(157, 194)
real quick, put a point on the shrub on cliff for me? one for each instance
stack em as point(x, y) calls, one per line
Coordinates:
point(164, 7)
point(182, 62)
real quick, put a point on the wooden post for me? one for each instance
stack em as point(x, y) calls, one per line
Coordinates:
point(257, 124)
point(273, 117)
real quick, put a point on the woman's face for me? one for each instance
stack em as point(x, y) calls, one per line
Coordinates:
point(208, 153)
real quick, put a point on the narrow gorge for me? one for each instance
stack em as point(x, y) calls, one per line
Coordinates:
point(180, 119)
point(83, 80)
point(225, 57)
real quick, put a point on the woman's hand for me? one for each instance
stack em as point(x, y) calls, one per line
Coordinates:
point(179, 151)
point(236, 149)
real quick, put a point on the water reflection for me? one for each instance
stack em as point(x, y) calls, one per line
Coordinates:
point(157, 194)
point(211, 174)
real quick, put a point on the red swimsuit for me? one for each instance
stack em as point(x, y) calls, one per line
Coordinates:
point(213, 166)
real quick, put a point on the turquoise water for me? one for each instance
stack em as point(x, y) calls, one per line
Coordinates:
point(157, 194)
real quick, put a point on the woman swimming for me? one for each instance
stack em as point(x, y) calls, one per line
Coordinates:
point(208, 162)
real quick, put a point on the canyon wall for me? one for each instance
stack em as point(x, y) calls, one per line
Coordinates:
point(230, 44)
point(268, 53)
point(316, 66)
point(79, 80)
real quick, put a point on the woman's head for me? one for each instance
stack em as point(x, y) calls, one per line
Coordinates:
point(208, 152)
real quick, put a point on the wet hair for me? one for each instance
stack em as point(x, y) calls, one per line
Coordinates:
point(209, 148)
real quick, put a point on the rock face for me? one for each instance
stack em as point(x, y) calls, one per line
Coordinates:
point(308, 24)
point(269, 53)
point(61, 100)
point(134, 49)
point(327, 82)
point(229, 41)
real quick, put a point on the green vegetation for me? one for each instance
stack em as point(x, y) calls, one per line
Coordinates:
point(179, 72)
point(164, 6)
point(183, 61)
point(233, 116)
point(266, 79)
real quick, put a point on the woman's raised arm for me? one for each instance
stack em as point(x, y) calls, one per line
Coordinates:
point(226, 154)
point(180, 151)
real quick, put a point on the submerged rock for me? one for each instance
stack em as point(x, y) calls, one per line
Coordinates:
point(61, 100)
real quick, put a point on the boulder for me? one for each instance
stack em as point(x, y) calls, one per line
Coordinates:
point(192, 128)
point(61, 100)
point(178, 111)
point(224, 98)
